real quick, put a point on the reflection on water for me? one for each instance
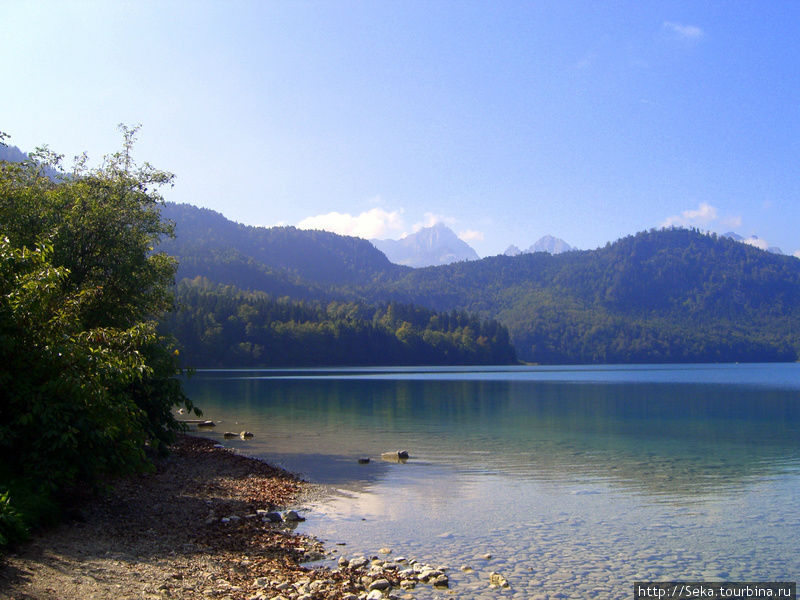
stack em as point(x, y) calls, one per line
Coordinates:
point(610, 472)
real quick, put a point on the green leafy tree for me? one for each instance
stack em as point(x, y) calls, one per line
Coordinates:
point(86, 383)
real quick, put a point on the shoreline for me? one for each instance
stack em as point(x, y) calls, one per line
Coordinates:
point(195, 528)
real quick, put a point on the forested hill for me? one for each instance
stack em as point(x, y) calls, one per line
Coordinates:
point(659, 296)
point(295, 260)
point(672, 295)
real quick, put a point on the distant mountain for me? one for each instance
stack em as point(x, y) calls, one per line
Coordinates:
point(547, 243)
point(12, 154)
point(672, 295)
point(550, 244)
point(430, 246)
point(754, 241)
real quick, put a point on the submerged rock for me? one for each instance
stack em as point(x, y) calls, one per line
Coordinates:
point(497, 580)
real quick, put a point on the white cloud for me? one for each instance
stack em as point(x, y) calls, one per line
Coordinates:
point(732, 222)
point(702, 215)
point(373, 223)
point(796, 254)
point(470, 235)
point(756, 241)
point(685, 32)
point(430, 219)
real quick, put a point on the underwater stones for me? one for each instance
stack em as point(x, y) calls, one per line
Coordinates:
point(497, 580)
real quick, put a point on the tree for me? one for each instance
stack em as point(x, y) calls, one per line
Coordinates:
point(86, 383)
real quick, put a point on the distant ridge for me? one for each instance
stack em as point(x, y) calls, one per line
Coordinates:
point(296, 261)
point(430, 246)
point(669, 295)
point(754, 241)
point(547, 243)
point(550, 244)
point(12, 154)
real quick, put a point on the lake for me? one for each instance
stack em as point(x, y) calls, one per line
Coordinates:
point(577, 480)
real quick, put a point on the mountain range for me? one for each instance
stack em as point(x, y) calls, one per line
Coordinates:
point(755, 241)
point(439, 245)
point(671, 295)
point(547, 243)
point(430, 246)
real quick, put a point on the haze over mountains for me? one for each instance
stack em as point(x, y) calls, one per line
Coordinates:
point(671, 295)
point(754, 241)
point(430, 246)
point(12, 154)
point(547, 243)
point(439, 245)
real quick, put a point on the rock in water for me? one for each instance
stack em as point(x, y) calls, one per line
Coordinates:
point(380, 584)
point(497, 580)
point(396, 456)
point(291, 515)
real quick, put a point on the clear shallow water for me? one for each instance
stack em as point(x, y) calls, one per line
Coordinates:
point(578, 480)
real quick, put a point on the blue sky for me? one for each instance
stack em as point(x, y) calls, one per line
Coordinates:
point(506, 120)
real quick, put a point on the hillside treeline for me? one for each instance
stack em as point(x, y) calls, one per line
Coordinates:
point(223, 326)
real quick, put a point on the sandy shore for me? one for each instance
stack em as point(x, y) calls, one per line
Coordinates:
point(170, 534)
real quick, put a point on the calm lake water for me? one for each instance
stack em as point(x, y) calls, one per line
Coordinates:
point(577, 480)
